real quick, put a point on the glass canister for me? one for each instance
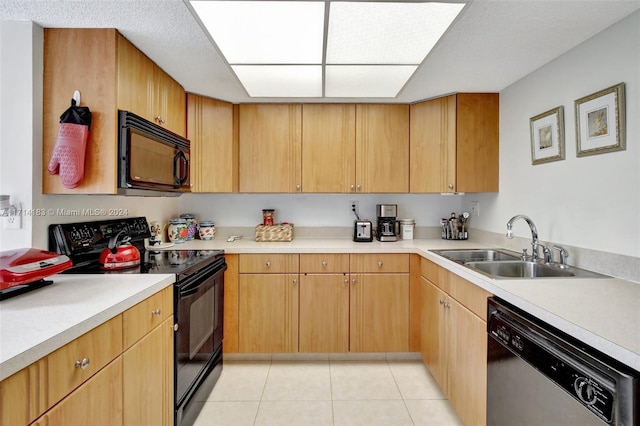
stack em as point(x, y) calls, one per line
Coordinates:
point(207, 230)
point(406, 228)
point(192, 225)
point(267, 217)
point(177, 230)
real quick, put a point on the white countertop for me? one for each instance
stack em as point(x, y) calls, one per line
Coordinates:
point(602, 312)
point(36, 323)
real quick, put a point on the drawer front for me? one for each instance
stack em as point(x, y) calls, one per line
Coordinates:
point(80, 359)
point(324, 263)
point(145, 316)
point(470, 296)
point(373, 263)
point(436, 274)
point(269, 263)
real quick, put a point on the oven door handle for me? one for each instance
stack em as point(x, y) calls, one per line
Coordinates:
point(192, 288)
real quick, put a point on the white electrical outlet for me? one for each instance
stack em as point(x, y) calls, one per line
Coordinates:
point(354, 207)
point(12, 222)
point(475, 208)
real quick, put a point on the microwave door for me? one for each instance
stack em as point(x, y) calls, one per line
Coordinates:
point(152, 163)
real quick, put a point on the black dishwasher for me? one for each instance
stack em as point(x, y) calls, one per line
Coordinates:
point(538, 375)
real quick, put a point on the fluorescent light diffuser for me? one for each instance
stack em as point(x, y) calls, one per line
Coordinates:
point(289, 81)
point(386, 33)
point(276, 48)
point(265, 32)
point(366, 81)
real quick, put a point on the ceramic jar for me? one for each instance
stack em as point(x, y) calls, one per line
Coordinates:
point(192, 225)
point(207, 230)
point(177, 230)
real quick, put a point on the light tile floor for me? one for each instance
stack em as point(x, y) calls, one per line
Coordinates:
point(331, 392)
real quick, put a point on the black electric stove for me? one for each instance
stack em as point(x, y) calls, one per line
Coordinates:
point(84, 241)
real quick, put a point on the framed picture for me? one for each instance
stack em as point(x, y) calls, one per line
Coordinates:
point(600, 122)
point(547, 136)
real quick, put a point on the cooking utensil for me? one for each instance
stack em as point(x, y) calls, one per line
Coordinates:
point(119, 254)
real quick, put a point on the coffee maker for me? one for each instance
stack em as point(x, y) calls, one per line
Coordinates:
point(387, 223)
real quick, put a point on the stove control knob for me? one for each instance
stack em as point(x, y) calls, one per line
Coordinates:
point(585, 390)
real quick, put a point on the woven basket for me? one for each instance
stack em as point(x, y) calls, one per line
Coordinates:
point(274, 233)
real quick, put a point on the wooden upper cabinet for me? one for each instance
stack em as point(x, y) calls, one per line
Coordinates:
point(328, 148)
point(270, 147)
point(454, 144)
point(110, 74)
point(214, 144)
point(382, 148)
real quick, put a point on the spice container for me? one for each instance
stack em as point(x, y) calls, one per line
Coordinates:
point(177, 230)
point(207, 230)
point(267, 217)
point(406, 228)
point(192, 225)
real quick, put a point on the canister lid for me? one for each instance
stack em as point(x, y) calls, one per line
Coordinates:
point(206, 223)
point(178, 221)
point(407, 221)
point(188, 216)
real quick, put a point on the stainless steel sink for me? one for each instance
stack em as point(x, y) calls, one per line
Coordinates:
point(527, 269)
point(477, 255)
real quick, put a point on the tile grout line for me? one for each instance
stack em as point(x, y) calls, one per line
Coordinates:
point(264, 387)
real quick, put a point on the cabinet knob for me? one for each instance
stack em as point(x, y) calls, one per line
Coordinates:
point(82, 364)
point(175, 327)
point(295, 281)
point(358, 187)
point(441, 302)
point(379, 263)
point(324, 263)
point(447, 305)
point(450, 186)
point(158, 119)
point(353, 187)
point(353, 280)
point(268, 264)
point(346, 281)
point(156, 312)
point(298, 187)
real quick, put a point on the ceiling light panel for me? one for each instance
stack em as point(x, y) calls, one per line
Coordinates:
point(277, 81)
point(366, 81)
point(265, 32)
point(386, 33)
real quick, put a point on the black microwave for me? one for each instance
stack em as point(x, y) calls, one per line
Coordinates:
point(152, 160)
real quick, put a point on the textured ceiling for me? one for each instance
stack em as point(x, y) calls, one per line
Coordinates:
point(492, 44)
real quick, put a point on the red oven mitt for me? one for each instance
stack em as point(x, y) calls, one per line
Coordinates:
point(68, 155)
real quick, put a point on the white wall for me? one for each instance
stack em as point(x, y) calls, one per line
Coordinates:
point(590, 202)
point(313, 210)
point(21, 70)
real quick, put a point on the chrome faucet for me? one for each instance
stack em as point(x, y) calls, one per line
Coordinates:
point(534, 233)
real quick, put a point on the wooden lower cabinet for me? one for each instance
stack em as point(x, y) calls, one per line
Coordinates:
point(454, 347)
point(379, 313)
point(268, 313)
point(324, 313)
point(98, 401)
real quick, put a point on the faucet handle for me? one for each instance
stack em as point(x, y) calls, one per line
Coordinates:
point(547, 253)
point(524, 254)
point(564, 254)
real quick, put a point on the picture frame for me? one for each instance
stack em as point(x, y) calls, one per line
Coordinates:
point(600, 122)
point(547, 136)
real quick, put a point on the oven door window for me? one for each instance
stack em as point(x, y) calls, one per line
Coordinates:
point(154, 162)
point(199, 335)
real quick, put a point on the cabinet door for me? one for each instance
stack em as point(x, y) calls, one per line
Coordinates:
point(477, 142)
point(99, 400)
point(433, 146)
point(434, 333)
point(270, 147)
point(214, 150)
point(468, 368)
point(135, 80)
point(324, 313)
point(379, 313)
point(328, 148)
point(268, 313)
point(382, 148)
point(170, 102)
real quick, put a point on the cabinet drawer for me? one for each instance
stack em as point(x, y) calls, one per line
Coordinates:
point(268, 263)
point(324, 263)
point(470, 296)
point(80, 359)
point(146, 315)
point(436, 274)
point(373, 263)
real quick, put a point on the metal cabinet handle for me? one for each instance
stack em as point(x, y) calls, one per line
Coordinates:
point(268, 264)
point(450, 186)
point(156, 312)
point(353, 281)
point(447, 305)
point(324, 263)
point(346, 281)
point(298, 187)
point(175, 327)
point(82, 364)
point(358, 187)
point(441, 302)
point(379, 263)
point(353, 187)
point(295, 281)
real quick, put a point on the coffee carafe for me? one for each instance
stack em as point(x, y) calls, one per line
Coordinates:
point(387, 224)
